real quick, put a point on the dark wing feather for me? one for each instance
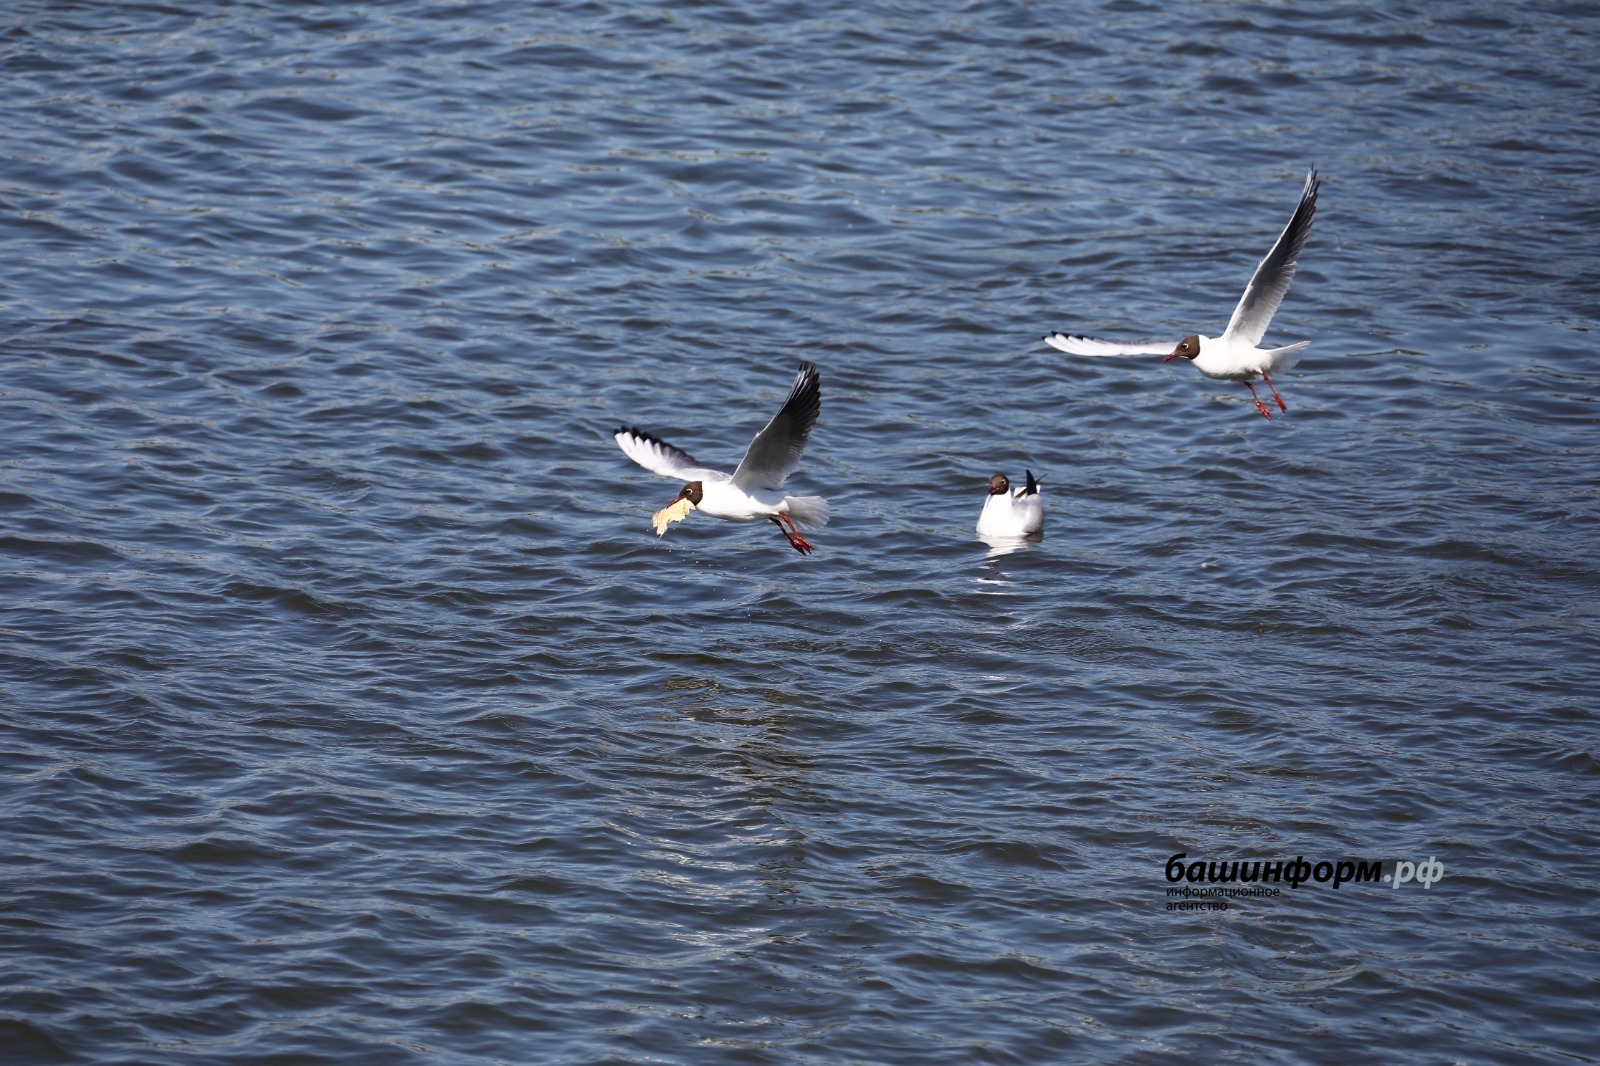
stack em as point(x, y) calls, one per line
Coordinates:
point(774, 453)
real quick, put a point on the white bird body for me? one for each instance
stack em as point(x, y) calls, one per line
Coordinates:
point(755, 489)
point(1228, 359)
point(1234, 356)
point(1011, 512)
point(724, 499)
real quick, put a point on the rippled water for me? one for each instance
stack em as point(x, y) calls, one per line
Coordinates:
point(353, 712)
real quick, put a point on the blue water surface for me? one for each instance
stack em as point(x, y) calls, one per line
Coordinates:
point(352, 712)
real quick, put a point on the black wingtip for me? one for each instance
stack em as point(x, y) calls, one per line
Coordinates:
point(638, 434)
point(804, 402)
point(1033, 484)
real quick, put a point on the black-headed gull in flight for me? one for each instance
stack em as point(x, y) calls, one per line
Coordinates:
point(754, 489)
point(1234, 355)
point(1009, 512)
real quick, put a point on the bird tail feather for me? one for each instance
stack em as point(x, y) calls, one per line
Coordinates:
point(808, 511)
point(1280, 359)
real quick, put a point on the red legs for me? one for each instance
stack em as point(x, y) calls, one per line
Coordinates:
point(1281, 405)
point(1259, 405)
point(792, 534)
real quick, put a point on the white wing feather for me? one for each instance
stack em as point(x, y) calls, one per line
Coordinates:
point(659, 457)
point(1072, 345)
point(1271, 279)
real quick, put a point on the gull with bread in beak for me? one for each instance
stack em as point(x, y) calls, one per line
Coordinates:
point(755, 489)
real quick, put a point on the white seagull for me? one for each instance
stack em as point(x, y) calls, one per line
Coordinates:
point(1234, 355)
point(753, 490)
point(1012, 513)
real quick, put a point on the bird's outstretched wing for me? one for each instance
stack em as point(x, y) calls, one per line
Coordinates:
point(659, 457)
point(774, 453)
point(1271, 279)
point(1064, 342)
